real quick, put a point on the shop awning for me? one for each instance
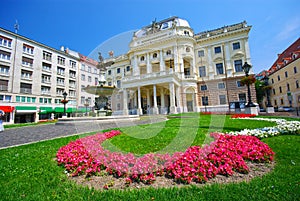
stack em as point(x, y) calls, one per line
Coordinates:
point(61, 110)
point(46, 110)
point(25, 109)
point(6, 108)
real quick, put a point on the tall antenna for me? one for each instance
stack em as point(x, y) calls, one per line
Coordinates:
point(16, 26)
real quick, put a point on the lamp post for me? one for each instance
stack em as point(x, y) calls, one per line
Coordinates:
point(86, 105)
point(65, 102)
point(246, 67)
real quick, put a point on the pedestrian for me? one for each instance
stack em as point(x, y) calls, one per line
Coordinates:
point(1, 122)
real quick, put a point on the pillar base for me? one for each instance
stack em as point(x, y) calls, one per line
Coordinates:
point(125, 112)
point(140, 111)
point(251, 110)
point(270, 110)
point(173, 110)
point(155, 110)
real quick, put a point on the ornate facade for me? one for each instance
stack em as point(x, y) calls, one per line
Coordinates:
point(170, 69)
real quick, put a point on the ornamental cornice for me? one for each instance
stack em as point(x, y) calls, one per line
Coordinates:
point(161, 42)
point(222, 35)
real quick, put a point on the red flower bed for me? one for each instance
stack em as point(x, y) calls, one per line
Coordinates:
point(242, 115)
point(223, 156)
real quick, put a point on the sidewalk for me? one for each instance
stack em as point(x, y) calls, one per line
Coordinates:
point(30, 134)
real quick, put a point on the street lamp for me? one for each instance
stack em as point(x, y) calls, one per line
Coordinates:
point(246, 67)
point(86, 105)
point(65, 101)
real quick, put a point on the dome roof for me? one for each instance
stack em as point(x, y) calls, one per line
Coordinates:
point(162, 25)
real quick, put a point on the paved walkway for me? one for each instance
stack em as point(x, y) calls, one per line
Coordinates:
point(30, 134)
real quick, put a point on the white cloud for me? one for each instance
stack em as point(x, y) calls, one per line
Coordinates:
point(290, 29)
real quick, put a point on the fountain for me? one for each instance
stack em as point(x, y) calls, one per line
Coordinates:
point(102, 105)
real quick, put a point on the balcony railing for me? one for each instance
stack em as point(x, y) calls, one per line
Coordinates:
point(25, 90)
point(3, 87)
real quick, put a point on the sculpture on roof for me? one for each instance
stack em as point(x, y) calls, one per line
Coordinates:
point(100, 57)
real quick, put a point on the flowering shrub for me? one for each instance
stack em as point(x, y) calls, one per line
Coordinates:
point(248, 80)
point(234, 116)
point(283, 127)
point(223, 156)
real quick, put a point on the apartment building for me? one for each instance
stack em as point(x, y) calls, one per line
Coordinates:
point(170, 69)
point(34, 76)
point(284, 77)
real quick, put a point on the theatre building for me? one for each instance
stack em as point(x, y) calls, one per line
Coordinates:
point(171, 69)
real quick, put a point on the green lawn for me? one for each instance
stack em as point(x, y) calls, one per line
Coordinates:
point(30, 172)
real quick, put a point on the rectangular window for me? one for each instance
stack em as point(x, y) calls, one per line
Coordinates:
point(82, 99)
point(18, 99)
point(297, 84)
point(275, 102)
point(203, 87)
point(280, 90)
point(218, 50)
point(278, 77)
point(201, 53)
point(202, 71)
point(222, 99)
point(73, 64)
point(236, 46)
point(83, 77)
point(4, 55)
point(242, 97)
point(96, 81)
point(219, 68)
point(28, 49)
point(5, 41)
point(238, 84)
point(288, 86)
point(127, 68)
point(27, 62)
point(286, 74)
point(295, 69)
point(60, 71)
point(221, 85)
point(109, 72)
point(281, 101)
point(47, 56)
point(238, 66)
point(82, 67)
point(61, 60)
point(118, 83)
point(204, 100)
point(272, 80)
point(118, 70)
point(89, 69)
point(274, 92)
point(89, 79)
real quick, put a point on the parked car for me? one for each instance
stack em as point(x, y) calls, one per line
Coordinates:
point(285, 109)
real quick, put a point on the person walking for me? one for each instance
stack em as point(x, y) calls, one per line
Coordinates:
point(1, 122)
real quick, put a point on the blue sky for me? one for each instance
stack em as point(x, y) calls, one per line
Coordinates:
point(83, 25)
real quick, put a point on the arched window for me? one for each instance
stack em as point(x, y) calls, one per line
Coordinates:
point(142, 58)
point(168, 52)
point(154, 55)
point(187, 49)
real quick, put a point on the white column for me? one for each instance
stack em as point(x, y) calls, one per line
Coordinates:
point(163, 109)
point(176, 62)
point(162, 65)
point(135, 66)
point(140, 111)
point(125, 104)
point(179, 99)
point(196, 103)
point(155, 108)
point(149, 66)
point(172, 99)
point(148, 101)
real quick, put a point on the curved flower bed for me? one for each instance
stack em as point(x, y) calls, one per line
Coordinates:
point(223, 156)
point(283, 127)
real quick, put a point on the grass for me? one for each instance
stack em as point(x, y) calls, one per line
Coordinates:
point(30, 172)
